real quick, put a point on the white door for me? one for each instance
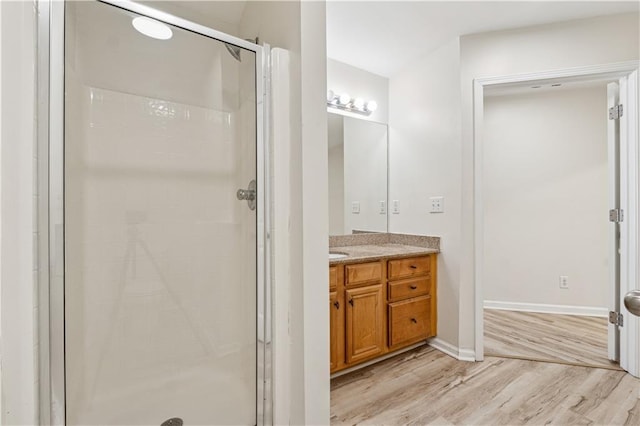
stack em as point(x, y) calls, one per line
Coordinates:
point(613, 145)
point(161, 255)
point(624, 126)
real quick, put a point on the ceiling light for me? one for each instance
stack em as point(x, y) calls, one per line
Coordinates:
point(152, 28)
point(372, 106)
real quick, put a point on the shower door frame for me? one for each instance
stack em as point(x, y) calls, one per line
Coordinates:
point(50, 220)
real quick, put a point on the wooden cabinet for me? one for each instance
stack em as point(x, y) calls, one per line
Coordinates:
point(412, 300)
point(381, 306)
point(364, 323)
point(336, 318)
point(336, 331)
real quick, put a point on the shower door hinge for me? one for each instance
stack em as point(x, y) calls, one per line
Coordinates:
point(615, 112)
point(616, 215)
point(616, 318)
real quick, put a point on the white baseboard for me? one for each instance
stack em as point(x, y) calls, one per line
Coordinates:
point(467, 355)
point(451, 350)
point(548, 309)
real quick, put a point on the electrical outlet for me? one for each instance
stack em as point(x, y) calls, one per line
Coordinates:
point(383, 207)
point(355, 207)
point(395, 209)
point(564, 281)
point(437, 205)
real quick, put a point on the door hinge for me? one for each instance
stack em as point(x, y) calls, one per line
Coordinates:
point(615, 112)
point(616, 215)
point(616, 318)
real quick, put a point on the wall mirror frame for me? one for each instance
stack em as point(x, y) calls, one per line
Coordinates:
point(358, 152)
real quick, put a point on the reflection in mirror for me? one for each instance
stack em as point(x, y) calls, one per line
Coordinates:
point(357, 175)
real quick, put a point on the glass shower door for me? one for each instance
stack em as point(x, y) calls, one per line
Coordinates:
point(160, 286)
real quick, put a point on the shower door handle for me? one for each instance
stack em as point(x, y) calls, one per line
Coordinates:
point(248, 194)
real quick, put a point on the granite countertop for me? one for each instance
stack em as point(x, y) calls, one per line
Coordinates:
point(376, 252)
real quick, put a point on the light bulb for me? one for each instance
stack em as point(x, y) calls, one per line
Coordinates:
point(152, 28)
point(372, 106)
point(330, 95)
point(359, 103)
point(344, 99)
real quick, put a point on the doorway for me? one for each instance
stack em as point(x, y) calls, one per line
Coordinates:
point(156, 219)
point(626, 75)
point(546, 251)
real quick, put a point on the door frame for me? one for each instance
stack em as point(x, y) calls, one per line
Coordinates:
point(50, 217)
point(630, 157)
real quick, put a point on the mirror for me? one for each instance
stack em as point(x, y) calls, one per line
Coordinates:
point(357, 175)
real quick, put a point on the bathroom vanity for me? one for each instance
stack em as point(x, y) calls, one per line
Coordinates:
point(382, 296)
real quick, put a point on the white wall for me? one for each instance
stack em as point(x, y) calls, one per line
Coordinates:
point(314, 209)
point(545, 193)
point(18, 231)
point(424, 152)
point(430, 154)
point(537, 48)
point(300, 27)
point(359, 83)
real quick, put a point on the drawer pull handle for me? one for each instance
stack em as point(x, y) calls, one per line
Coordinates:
point(337, 305)
point(413, 287)
point(413, 267)
point(351, 302)
point(413, 320)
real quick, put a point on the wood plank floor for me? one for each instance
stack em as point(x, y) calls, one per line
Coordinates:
point(573, 339)
point(425, 386)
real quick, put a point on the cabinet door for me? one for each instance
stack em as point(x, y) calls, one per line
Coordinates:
point(336, 331)
point(365, 322)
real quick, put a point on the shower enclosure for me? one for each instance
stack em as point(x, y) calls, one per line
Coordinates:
point(156, 220)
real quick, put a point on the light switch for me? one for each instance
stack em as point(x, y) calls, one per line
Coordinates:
point(395, 209)
point(383, 207)
point(355, 207)
point(437, 204)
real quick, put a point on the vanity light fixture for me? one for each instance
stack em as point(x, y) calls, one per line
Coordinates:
point(152, 28)
point(345, 102)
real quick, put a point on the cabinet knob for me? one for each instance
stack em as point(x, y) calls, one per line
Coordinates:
point(351, 302)
point(413, 267)
point(413, 287)
point(337, 305)
point(413, 320)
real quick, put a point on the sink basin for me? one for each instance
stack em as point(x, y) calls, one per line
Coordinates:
point(335, 255)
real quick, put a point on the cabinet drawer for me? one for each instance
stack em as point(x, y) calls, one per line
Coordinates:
point(333, 278)
point(403, 268)
point(404, 289)
point(363, 273)
point(409, 320)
